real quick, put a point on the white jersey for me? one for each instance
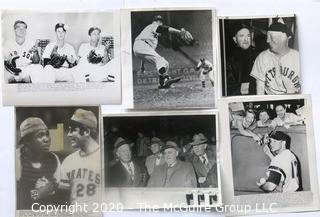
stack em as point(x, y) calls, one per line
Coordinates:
point(281, 75)
point(85, 49)
point(82, 174)
point(286, 164)
point(206, 65)
point(12, 48)
point(67, 50)
point(150, 35)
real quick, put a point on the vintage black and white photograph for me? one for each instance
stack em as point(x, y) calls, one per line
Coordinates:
point(70, 52)
point(150, 153)
point(272, 152)
point(173, 58)
point(58, 157)
point(259, 55)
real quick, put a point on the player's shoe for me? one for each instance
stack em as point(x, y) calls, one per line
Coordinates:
point(168, 82)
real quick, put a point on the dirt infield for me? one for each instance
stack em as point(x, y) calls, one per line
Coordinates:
point(183, 94)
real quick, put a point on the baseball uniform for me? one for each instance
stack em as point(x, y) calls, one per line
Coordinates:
point(281, 75)
point(61, 74)
point(93, 72)
point(286, 164)
point(145, 44)
point(24, 62)
point(82, 174)
point(205, 68)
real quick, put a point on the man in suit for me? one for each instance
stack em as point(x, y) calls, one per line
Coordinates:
point(126, 172)
point(174, 173)
point(157, 158)
point(203, 160)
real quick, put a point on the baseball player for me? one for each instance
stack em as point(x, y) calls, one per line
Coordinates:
point(283, 174)
point(277, 69)
point(21, 56)
point(81, 170)
point(58, 57)
point(94, 61)
point(205, 68)
point(37, 169)
point(145, 46)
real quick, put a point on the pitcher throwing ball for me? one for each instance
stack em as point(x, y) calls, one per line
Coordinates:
point(145, 46)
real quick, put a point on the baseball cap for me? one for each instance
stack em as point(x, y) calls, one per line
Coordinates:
point(158, 17)
point(281, 136)
point(31, 125)
point(120, 142)
point(280, 27)
point(86, 118)
point(238, 26)
point(198, 139)
point(19, 22)
point(156, 140)
point(171, 144)
point(60, 25)
point(92, 29)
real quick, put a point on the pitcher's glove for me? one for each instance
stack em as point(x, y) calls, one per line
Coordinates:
point(57, 60)
point(94, 58)
point(11, 66)
point(186, 36)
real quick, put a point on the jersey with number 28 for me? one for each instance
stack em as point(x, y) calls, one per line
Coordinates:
point(82, 174)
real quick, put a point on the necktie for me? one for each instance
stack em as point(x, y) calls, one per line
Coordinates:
point(130, 170)
point(203, 160)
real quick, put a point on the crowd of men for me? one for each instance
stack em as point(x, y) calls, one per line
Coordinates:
point(167, 165)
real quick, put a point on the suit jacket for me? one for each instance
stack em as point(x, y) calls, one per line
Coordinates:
point(209, 171)
point(120, 177)
point(151, 162)
point(182, 176)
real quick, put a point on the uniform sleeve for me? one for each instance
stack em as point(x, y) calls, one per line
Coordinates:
point(64, 179)
point(258, 71)
point(275, 167)
point(199, 64)
point(57, 173)
point(162, 29)
point(294, 118)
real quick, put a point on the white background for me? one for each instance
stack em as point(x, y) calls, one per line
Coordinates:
point(308, 21)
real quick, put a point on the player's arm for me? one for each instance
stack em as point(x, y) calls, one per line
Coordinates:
point(271, 183)
point(198, 66)
point(246, 132)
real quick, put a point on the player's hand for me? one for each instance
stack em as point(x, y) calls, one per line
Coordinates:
point(257, 137)
point(202, 179)
point(71, 59)
point(262, 181)
point(44, 187)
point(287, 126)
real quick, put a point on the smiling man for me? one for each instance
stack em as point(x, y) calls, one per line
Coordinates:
point(127, 172)
point(284, 172)
point(59, 57)
point(277, 69)
point(38, 169)
point(81, 170)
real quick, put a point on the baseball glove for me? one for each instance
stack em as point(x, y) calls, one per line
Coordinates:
point(94, 58)
point(56, 60)
point(11, 66)
point(186, 36)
